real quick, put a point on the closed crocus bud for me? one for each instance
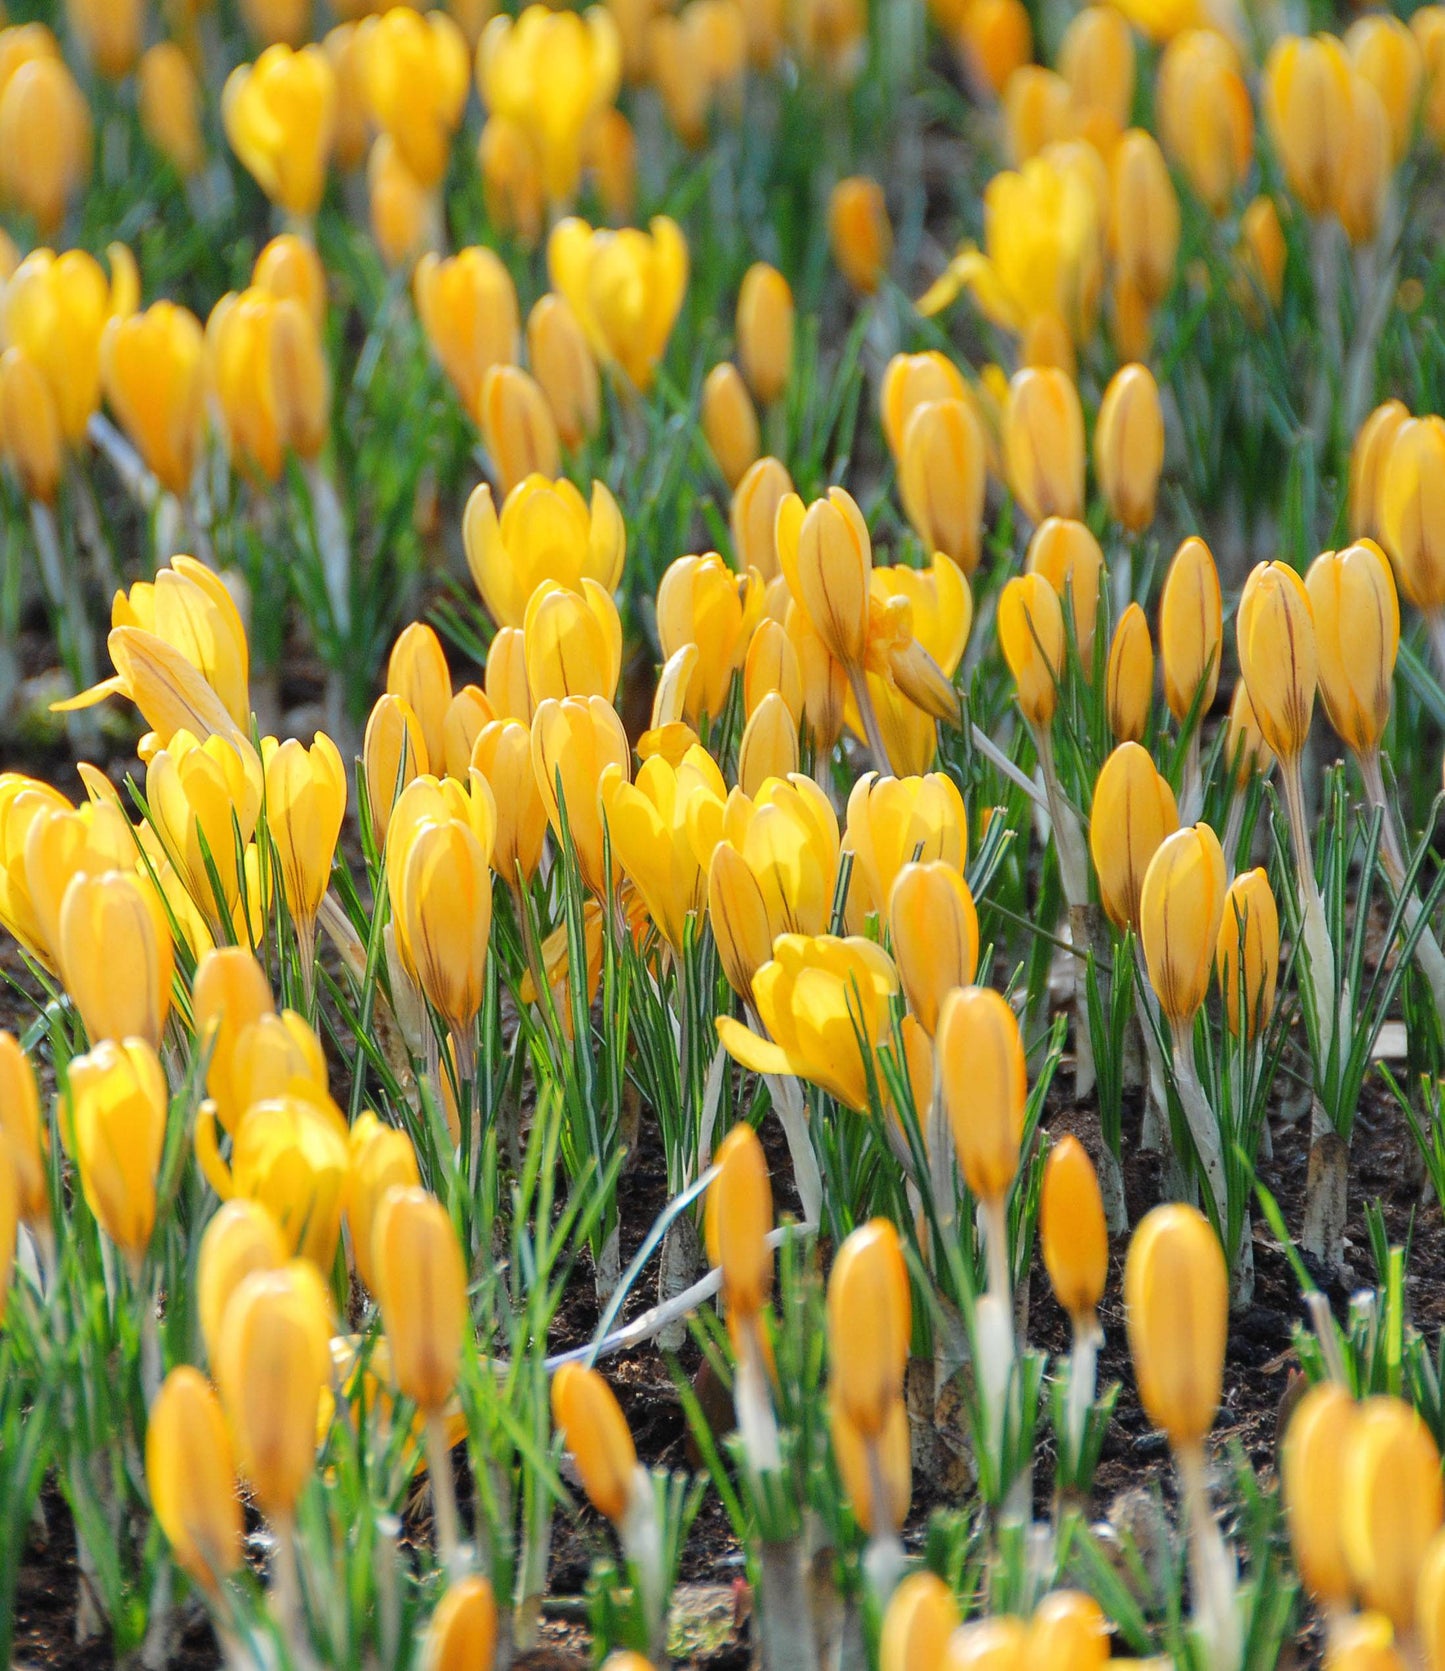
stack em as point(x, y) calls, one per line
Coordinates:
point(153, 371)
point(230, 991)
point(1038, 111)
point(30, 439)
point(565, 369)
point(1191, 629)
point(416, 71)
point(1206, 117)
point(191, 1475)
point(1412, 511)
point(45, 141)
point(753, 517)
point(445, 917)
point(1369, 165)
point(393, 752)
point(827, 555)
point(422, 1290)
point(118, 1102)
point(462, 1635)
point(280, 117)
point(1031, 636)
point(739, 1220)
point(305, 807)
point(765, 331)
point(274, 1361)
point(502, 753)
point(1144, 224)
point(860, 232)
point(402, 215)
point(1315, 1441)
point(278, 20)
point(648, 824)
point(573, 742)
point(1357, 638)
point(984, 1082)
point(771, 667)
point(702, 602)
point(204, 799)
point(995, 41)
point(1391, 1505)
point(942, 474)
point(895, 821)
point(1430, 1602)
point(1427, 25)
point(506, 676)
point(1275, 633)
point(594, 1429)
point(920, 1619)
point(169, 101)
point(1133, 811)
point(870, 1321)
point(1308, 105)
point(1181, 909)
point(1044, 444)
point(911, 381)
point(467, 304)
point(382, 1159)
point(512, 185)
point(240, 1239)
point(572, 642)
point(1096, 58)
point(1368, 458)
point(1129, 446)
point(23, 1133)
point(110, 32)
point(1176, 1303)
point(1073, 1233)
point(626, 288)
point(769, 746)
point(1247, 954)
point(1067, 555)
point(1387, 55)
point(865, 1465)
point(933, 925)
point(1129, 678)
point(115, 956)
point(1263, 250)
point(417, 672)
point(517, 427)
point(1245, 750)
point(729, 422)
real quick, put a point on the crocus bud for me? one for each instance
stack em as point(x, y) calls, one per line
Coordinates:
point(753, 517)
point(942, 475)
point(1307, 107)
point(1248, 951)
point(1031, 636)
point(191, 1475)
point(1206, 116)
point(305, 806)
point(30, 439)
point(1129, 678)
point(626, 288)
point(1176, 1304)
point(467, 304)
point(462, 1635)
point(23, 1133)
point(169, 101)
point(572, 642)
point(115, 956)
point(827, 555)
point(1129, 446)
point(870, 1321)
point(1067, 555)
point(512, 184)
point(1245, 750)
point(117, 1112)
point(153, 370)
point(280, 117)
point(765, 331)
point(1191, 629)
point(444, 920)
point(920, 1619)
point(402, 215)
point(1068, 1632)
point(274, 1361)
point(729, 422)
point(933, 925)
point(241, 1238)
point(1133, 811)
point(502, 753)
point(417, 672)
point(1263, 251)
point(393, 752)
point(416, 72)
point(996, 40)
point(1386, 53)
point(1430, 1602)
point(9, 1222)
point(771, 668)
point(1072, 1230)
point(1181, 909)
point(382, 1159)
point(1391, 1504)
point(1044, 444)
point(596, 1432)
point(895, 821)
point(866, 1464)
point(860, 232)
point(1275, 633)
point(565, 369)
point(45, 141)
point(769, 746)
point(547, 531)
point(739, 1220)
point(422, 1290)
point(1096, 58)
point(1357, 637)
point(1368, 458)
point(110, 33)
point(230, 991)
point(517, 427)
point(1412, 511)
point(1368, 168)
point(1315, 1441)
point(911, 381)
point(1038, 108)
point(573, 742)
point(1144, 225)
point(984, 1081)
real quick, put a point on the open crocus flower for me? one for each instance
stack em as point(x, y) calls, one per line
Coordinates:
point(821, 998)
point(546, 531)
